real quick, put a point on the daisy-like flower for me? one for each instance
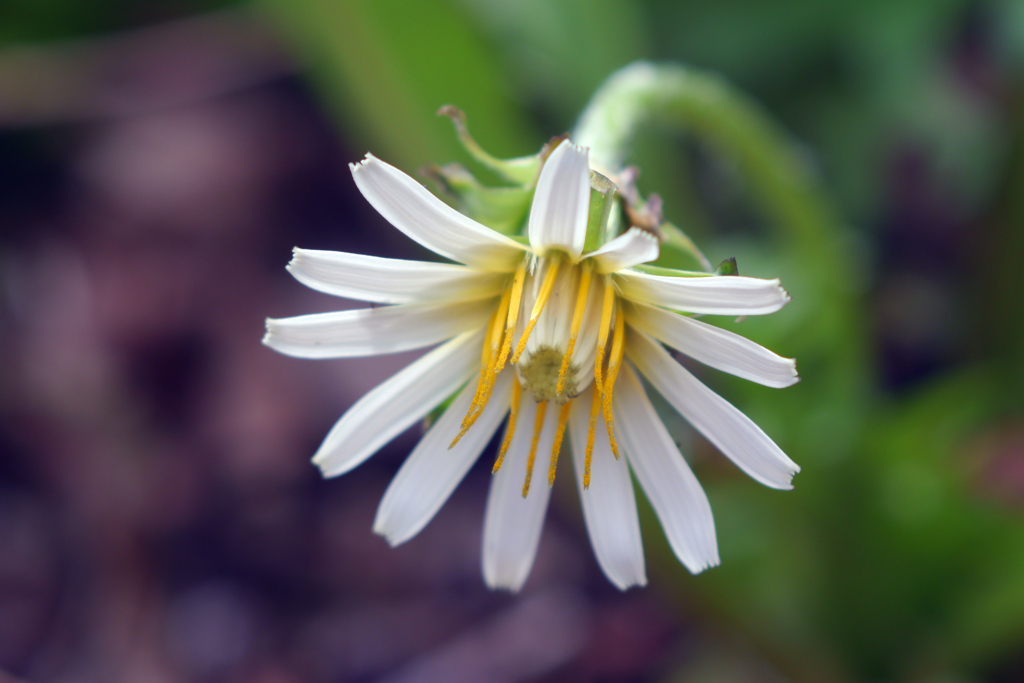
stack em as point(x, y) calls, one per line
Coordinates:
point(552, 336)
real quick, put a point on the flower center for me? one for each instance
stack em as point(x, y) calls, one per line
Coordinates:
point(557, 347)
point(540, 371)
point(561, 317)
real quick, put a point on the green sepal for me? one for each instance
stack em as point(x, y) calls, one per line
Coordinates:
point(669, 272)
point(678, 252)
point(728, 267)
point(503, 209)
point(519, 171)
point(602, 200)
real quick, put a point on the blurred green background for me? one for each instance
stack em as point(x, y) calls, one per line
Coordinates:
point(899, 556)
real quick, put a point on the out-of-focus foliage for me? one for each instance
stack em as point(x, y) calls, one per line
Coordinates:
point(386, 67)
point(26, 21)
point(883, 182)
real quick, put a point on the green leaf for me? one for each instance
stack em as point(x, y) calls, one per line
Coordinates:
point(386, 66)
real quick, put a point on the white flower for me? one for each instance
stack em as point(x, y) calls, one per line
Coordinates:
point(539, 333)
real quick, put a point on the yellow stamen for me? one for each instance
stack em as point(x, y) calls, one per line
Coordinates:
point(613, 370)
point(487, 354)
point(538, 305)
point(595, 406)
point(607, 307)
point(496, 323)
point(517, 393)
point(513, 316)
point(538, 425)
point(563, 418)
point(577, 320)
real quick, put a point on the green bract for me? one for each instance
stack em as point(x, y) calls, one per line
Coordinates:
point(615, 203)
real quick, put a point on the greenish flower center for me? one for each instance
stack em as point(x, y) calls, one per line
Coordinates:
point(540, 369)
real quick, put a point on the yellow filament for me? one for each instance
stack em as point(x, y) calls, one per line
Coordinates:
point(595, 406)
point(490, 348)
point(495, 341)
point(577, 320)
point(613, 370)
point(563, 418)
point(517, 393)
point(487, 352)
point(494, 337)
point(510, 313)
point(607, 307)
point(538, 305)
point(513, 315)
point(538, 425)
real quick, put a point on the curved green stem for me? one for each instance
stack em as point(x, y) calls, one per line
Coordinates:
point(706, 105)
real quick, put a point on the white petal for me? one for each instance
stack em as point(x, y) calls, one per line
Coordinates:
point(411, 208)
point(632, 248)
point(512, 524)
point(432, 471)
point(721, 349)
point(394, 406)
point(712, 294)
point(391, 281)
point(609, 506)
point(719, 421)
point(561, 204)
point(373, 331)
point(674, 492)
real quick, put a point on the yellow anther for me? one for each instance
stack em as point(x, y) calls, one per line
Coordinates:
point(613, 370)
point(510, 313)
point(538, 425)
point(595, 409)
point(538, 305)
point(563, 418)
point(487, 356)
point(497, 322)
point(485, 362)
point(577, 320)
point(607, 308)
point(517, 393)
point(513, 315)
point(487, 353)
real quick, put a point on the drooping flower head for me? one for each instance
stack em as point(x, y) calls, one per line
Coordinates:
point(548, 332)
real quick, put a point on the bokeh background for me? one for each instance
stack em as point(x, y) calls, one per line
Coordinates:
point(159, 519)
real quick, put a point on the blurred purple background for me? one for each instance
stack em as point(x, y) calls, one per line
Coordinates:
point(159, 519)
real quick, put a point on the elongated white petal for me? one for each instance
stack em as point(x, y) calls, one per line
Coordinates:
point(609, 506)
point(632, 248)
point(712, 294)
point(432, 471)
point(394, 406)
point(721, 349)
point(411, 208)
point(561, 204)
point(512, 524)
point(674, 492)
point(719, 421)
point(391, 281)
point(373, 331)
